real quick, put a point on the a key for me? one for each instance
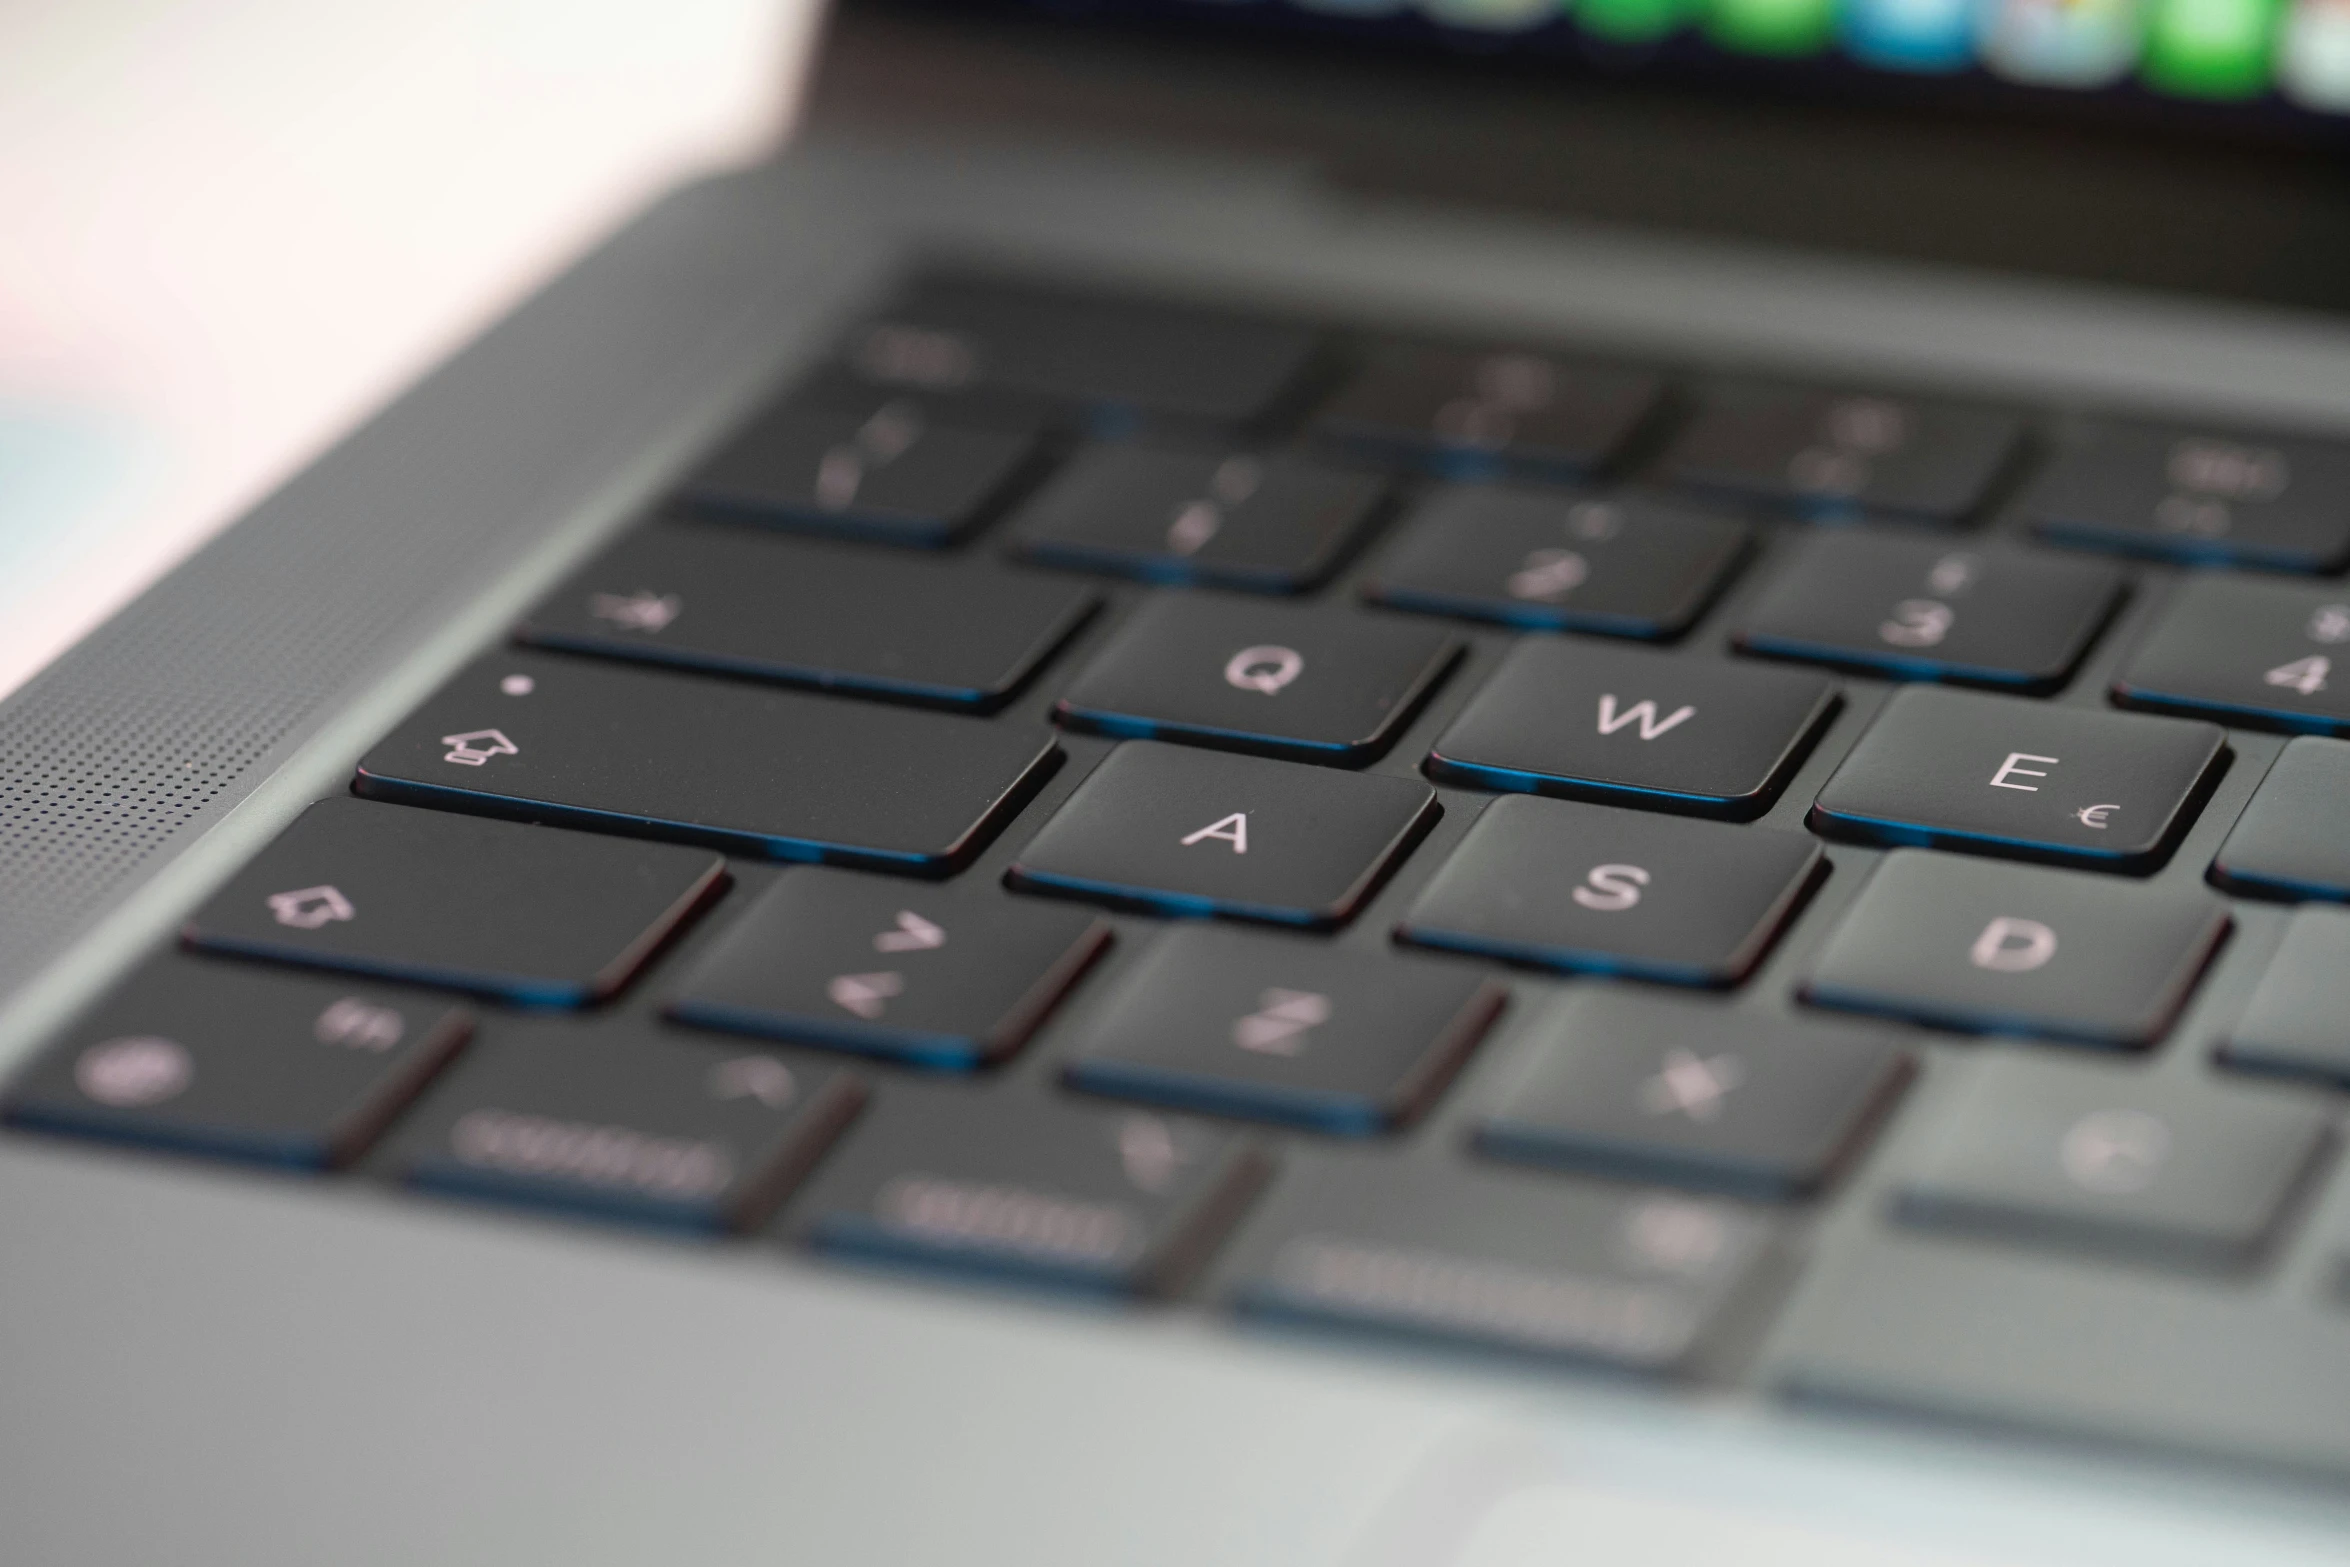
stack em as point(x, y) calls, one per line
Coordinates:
point(1474, 414)
point(2189, 495)
point(237, 1063)
point(2298, 1021)
point(1267, 524)
point(530, 915)
point(2269, 655)
point(1992, 775)
point(1627, 725)
point(890, 469)
point(967, 634)
point(1909, 608)
point(752, 771)
point(2158, 1170)
point(1120, 1202)
point(1500, 1259)
point(1178, 831)
point(1277, 1029)
point(1641, 1088)
point(2013, 949)
point(1114, 359)
point(1320, 685)
point(1548, 560)
point(624, 1121)
point(1563, 885)
point(2293, 840)
point(1843, 454)
point(933, 977)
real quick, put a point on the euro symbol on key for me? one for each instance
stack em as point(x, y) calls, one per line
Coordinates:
point(1265, 669)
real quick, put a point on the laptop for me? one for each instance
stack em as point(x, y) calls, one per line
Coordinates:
point(1361, 783)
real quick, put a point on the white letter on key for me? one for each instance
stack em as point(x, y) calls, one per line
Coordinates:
point(2008, 769)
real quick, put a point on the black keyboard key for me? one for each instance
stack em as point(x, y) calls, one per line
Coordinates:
point(967, 634)
point(1546, 560)
point(1842, 455)
point(1637, 728)
point(1271, 524)
point(757, 772)
point(1117, 1202)
point(624, 1122)
point(2186, 495)
point(1603, 891)
point(1644, 1089)
point(2012, 949)
point(1313, 685)
point(1921, 609)
point(1502, 1260)
point(1278, 1029)
point(235, 1063)
point(1178, 831)
point(1992, 775)
point(1116, 359)
point(529, 915)
point(2295, 1024)
point(2156, 1170)
point(2262, 654)
point(1469, 414)
point(932, 977)
point(2293, 840)
point(894, 470)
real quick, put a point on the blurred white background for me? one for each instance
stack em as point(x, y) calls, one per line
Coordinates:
point(233, 227)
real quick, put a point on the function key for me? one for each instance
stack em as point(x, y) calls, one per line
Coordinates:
point(2010, 949)
point(1959, 770)
point(1471, 414)
point(1502, 1260)
point(1278, 1029)
point(1115, 359)
point(888, 469)
point(925, 975)
point(234, 1063)
point(529, 915)
point(1642, 1088)
point(1265, 524)
point(1317, 685)
point(1117, 1202)
point(1843, 454)
point(2264, 654)
point(760, 772)
point(2293, 1026)
point(2156, 1170)
point(1919, 609)
point(1629, 565)
point(624, 1122)
point(2293, 840)
point(1178, 831)
point(2186, 495)
point(1590, 888)
point(967, 634)
point(1636, 727)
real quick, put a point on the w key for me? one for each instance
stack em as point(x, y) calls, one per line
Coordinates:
point(1957, 770)
point(1636, 727)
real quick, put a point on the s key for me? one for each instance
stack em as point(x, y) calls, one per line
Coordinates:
point(1958, 770)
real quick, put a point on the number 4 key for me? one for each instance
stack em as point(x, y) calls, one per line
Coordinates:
point(2247, 652)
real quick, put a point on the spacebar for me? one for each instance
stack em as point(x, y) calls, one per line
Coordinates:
point(739, 768)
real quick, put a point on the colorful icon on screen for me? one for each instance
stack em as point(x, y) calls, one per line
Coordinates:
point(2063, 43)
point(2313, 58)
point(1912, 35)
point(1634, 21)
point(1780, 27)
point(2211, 48)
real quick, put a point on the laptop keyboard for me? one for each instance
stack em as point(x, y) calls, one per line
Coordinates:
point(1118, 795)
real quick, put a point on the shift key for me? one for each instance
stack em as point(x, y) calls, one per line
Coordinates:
point(773, 774)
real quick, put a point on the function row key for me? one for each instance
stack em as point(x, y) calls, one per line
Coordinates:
point(2196, 497)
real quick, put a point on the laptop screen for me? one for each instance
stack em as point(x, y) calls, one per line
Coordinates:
point(2254, 64)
